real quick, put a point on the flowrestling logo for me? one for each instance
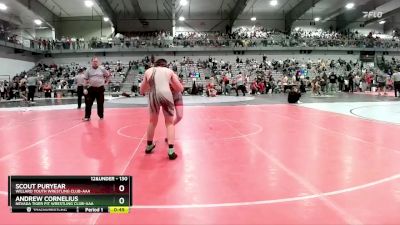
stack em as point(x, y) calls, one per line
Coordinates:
point(373, 14)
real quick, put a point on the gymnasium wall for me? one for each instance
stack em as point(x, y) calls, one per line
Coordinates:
point(128, 25)
point(393, 23)
point(196, 25)
point(266, 22)
point(86, 27)
point(305, 25)
point(45, 33)
point(11, 63)
point(373, 27)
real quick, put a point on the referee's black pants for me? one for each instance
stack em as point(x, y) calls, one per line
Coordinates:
point(242, 88)
point(31, 93)
point(98, 94)
point(80, 94)
point(396, 87)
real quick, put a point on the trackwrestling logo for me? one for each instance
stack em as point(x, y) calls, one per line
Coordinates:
point(372, 14)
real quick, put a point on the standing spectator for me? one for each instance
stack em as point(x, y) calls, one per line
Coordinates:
point(64, 42)
point(22, 88)
point(381, 80)
point(79, 82)
point(368, 81)
point(73, 41)
point(83, 44)
point(2, 90)
point(332, 83)
point(396, 80)
point(341, 83)
point(69, 43)
point(78, 43)
point(49, 47)
point(323, 82)
point(240, 84)
point(12, 91)
point(40, 87)
point(44, 44)
point(226, 86)
point(350, 78)
point(357, 82)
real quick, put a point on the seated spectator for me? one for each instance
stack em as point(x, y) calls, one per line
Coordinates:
point(270, 85)
point(261, 87)
point(315, 86)
point(254, 87)
point(303, 84)
point(47, 90)
point(294, 96)
point(390, 84)
point(211, 91)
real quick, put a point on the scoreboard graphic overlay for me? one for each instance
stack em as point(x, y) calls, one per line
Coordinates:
point(73, 194)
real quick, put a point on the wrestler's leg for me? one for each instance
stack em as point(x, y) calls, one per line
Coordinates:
point(168, 112)
point(178, 102)
point(150, 131)
point(169, 125)
point(179, 113)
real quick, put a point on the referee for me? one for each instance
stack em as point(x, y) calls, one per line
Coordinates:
point(96, 77)
point(31, 83)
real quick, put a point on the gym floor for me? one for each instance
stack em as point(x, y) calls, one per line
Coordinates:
point(332, 160)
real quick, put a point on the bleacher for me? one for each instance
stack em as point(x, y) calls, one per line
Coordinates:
point(186, 69)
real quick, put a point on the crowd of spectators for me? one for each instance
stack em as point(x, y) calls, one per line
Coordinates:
point(58, 78)
point(219, 77)
point(320, 77)
point(255, 36)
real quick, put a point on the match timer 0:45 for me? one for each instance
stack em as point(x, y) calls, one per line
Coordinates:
point(74, 194)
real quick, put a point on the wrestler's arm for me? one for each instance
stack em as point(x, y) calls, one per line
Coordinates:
point(175, 83)
point(144, 86)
